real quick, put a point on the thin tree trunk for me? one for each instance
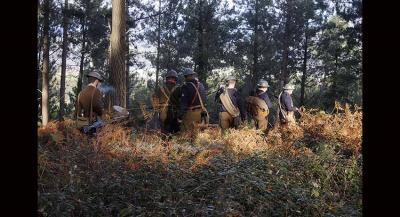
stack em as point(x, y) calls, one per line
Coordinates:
point(83, 52)
point(158, 43)
point(63, 61)
point(118, 52)
point(334, 75)
point(127, 57)
point(304, 76)
point(40, 48)
point(202, 62)
point(254, 74)
point(46, 66)
point(284, 79)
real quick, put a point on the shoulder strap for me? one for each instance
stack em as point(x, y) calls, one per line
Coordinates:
point(165, 94)
point(91, 107)
point(195, 95)
point(228, 104)
point(198, 95)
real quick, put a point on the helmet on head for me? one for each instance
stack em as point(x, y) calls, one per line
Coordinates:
point(262, 83)
point(188, 71)
point(288, 87)
point(95, 74)
point(231, 78)
point(171, 73)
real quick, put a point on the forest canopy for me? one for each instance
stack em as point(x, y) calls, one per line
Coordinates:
point(313, 44)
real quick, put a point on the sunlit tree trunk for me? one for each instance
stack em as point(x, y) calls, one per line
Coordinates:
point(46, 67)
point(118, 52)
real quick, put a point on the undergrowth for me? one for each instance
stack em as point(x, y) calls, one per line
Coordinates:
point(312, 169)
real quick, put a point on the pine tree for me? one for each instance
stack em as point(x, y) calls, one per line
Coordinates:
point(118, 52)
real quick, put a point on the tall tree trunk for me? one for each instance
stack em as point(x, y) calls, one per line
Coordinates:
point(40, 48)
point(46, 66)
point(83, 52)
point(284, 79)
point(63, 61)
point(202, 60)
point(118, 52)
point(304, 76)
point(254, 74)
point(127, 56)
point(334, 77)
point(158, 43)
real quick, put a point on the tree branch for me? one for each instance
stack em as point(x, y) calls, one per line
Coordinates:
point(150, 16)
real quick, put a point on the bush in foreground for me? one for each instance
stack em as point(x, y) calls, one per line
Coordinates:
point(313, 169)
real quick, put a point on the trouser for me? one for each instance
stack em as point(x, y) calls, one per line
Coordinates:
point(93, 127)
point(261, 122)
point(289, 120)
point(191, 119)
point(171, 124)
point(225, 120)
point(163, 118)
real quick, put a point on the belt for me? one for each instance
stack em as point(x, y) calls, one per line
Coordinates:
point(193, 108)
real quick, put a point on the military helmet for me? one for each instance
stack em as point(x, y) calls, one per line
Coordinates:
point(262, 83)
point(95, 74)
point(171, 73)
point(231, 78)
point(288, 87)
point(188, 71)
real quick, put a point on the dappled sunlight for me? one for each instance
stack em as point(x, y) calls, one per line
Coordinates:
point(242, 172)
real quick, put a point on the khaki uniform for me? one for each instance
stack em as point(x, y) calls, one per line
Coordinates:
point(226, 120)
point(258, 110)
point(286, 109)
point(190, 119)
point(231, 106)
point(160, 100)
point(190, 105)
point(261, 122)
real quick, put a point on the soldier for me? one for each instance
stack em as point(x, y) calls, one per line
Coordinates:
point(231, 111)
point(286, 108)
point(259, 105)
point(162, 101)
point(89, 106)
point(192, 109)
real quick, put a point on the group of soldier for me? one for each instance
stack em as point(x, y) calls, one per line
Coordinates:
point(182, 107)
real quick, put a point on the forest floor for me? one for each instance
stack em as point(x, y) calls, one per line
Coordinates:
point(312, 169)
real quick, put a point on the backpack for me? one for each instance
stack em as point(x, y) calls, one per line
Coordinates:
point(257, 106)
point(227, 102)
